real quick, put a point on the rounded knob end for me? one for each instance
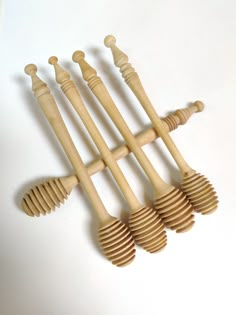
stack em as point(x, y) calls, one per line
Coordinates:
point(200, 106)
point(53, 60)
point(30, 69)
point(109, 41)
point(78, 55)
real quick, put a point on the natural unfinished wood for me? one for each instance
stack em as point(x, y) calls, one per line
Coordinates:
point(45, 197)
point(115, 238)
point(71, 92)
point(180, 217)
point(198, 189)
point(144, 222)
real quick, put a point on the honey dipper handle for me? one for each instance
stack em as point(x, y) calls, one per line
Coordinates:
point(72, 93)
point(133, 81)
point(146, 136)
point(99, 90)
point(49, 107)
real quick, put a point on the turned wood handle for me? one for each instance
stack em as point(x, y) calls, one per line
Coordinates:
point(144, 137)
point(99, 90)
point(45, 197)
point(49, 107)
point(133, 81)
point(147, 136)
point(72, 93)
point(172, 121)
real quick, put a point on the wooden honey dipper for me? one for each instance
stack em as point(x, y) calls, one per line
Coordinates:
point(45, 197)
point(196, 186)
point(144, 222)
point(173, 206)
point(115, 238)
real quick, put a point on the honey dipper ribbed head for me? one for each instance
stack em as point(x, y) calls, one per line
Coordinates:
point(200, 193)
point(147, 229)
point(117, 242)
point(78, 55)
point(30, 69)
point(109, 41)
point(175, 210)
point(45, 197)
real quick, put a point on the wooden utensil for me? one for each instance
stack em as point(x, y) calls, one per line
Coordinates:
point(196, 186)
point(173, 206)
point(115, 238)
point(145, 223)
point(45, 197)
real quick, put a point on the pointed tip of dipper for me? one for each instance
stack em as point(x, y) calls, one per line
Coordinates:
point(109, 41)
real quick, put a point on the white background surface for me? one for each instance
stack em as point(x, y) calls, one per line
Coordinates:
point(183, 51)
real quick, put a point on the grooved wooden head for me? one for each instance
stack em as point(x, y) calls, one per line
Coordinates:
point(45, 197)
point(117, 243)
point(147, 229)
point(175, 210)
point(200, 193)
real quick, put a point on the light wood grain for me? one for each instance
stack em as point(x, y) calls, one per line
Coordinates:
point(112, 231)
point(179, 218)
point(71, 92)
point(188, 174)
point(45, 197)
point(142, 219)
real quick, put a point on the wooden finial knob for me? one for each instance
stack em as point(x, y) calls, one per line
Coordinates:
point(88, 72)
point(184, 114)
point(78, 55)
point(109, 41)
point(30, 69)
point(61, 75)
point(200, 106)
point(120, 58)
point(38, 86)
point(53, 60)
